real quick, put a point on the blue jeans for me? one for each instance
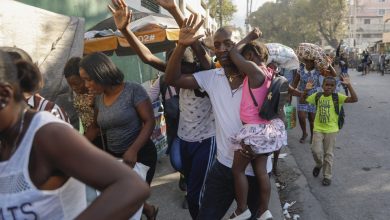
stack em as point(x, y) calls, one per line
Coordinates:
point(219, 193)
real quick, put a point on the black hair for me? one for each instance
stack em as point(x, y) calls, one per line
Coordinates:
point(329, 78)
point(101, 69)
point(72, 67)
point(8, 74)
point(258, 48)
point(225, 29)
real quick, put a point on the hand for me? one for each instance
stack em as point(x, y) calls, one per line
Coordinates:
point(167, 4)
point(247, 151)
point(345, 80)
point(130, 157)
point(189, 29)
point(209, 40)
point(254, 34)
point(309, 85)
point(121, 14)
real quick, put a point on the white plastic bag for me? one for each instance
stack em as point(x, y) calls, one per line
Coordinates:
point(282, 55)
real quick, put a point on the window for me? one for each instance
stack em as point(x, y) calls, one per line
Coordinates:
point(151, 5)
point(367, 21)
point(381, 11)
point(366, 35)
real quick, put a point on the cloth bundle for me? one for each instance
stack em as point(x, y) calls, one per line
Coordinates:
point(313, 52)
point(282, 55)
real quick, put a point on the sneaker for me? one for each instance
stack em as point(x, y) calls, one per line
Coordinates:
point(316, 171)
point(326, 182)
point(243, 216)
point(266, 216)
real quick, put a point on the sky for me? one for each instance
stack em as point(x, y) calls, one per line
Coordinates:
point(239, 16)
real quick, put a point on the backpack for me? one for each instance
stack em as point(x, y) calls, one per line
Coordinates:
point(270, 108)
point(171, 106)
point(339, 111)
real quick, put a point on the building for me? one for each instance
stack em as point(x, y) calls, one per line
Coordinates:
point(366, 24)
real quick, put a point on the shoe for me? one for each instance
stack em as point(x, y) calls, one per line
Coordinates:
point(182, 183)
point(316, 171)
point(266, 216)
point(243, 216)
point(326, 182)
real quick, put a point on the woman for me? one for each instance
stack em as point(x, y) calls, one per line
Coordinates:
point(124, 115)
point(40, 157)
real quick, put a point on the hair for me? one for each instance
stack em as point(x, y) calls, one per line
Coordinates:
point(101, 69)
point(17, 54)
point(72, 67)
point(329, 78)
point(231, 30)
point(8, 74)
point(258, 48)
point(188, 56)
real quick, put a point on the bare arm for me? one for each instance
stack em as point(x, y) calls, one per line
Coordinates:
point(346, 81)
point(63, 149)
point(296, 80)
point(122, 17)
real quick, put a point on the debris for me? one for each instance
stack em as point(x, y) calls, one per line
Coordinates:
point(296, 217)
point(281, 156)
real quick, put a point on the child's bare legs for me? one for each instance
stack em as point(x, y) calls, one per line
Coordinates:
point(275, 170)
point(260, 167)
point(312, 116)
point(240, 162)
point(302, 124)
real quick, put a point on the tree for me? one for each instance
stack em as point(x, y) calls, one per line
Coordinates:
point(227, 10)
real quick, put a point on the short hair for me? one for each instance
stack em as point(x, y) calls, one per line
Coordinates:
point(258, 48)
point(8, 74)
point(235, 34)
point(329, 78)
point(101, 69)
point(72, 67)
point(188, 56)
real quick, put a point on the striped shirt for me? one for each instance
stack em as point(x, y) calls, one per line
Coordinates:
point(39, 103)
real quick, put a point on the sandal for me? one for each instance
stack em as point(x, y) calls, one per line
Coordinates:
point(303, 138)
point(266, 216)
point(243, 216)
point(326, 182)
point(154, 215)
point(316, 171)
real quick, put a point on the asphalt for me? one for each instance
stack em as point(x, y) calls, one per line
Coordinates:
point(168, 197)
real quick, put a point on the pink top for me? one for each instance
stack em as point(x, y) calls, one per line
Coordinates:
point(249, 113)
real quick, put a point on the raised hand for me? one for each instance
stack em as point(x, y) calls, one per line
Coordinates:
point(345, 80)
point(167, 4)
point(309, 85)
point(121, 13)
point(255, 34)
point(209, 40)
point(187, 35)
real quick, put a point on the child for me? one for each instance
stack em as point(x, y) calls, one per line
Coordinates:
point(326, 123)
point(258, 136)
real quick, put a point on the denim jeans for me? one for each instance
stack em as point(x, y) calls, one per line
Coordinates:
point(219, 193)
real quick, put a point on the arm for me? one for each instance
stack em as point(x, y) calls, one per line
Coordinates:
point(293, 91)
point(145, 112)
point(122, 17)
point(346, 81)
point(296, 80)
point(61, 148)
point(187, 37)
point(309, 86)
point(154, 91)
point(93, 130)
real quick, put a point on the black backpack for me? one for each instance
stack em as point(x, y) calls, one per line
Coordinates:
point(270, 108)
point(171, 106)
point(339, 111)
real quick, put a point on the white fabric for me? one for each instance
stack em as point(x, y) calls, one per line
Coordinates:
point(196, 117)
point(226, 107)
point(154, 91)
point(282, 55)
point(20, 199)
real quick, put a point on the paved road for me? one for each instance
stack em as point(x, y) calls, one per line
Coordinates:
point(361, 182)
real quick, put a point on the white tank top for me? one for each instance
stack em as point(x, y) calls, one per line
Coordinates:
point(20, 199)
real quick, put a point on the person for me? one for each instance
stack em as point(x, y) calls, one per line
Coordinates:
point(366, 60)
point(326, 123)
point(382, 63)
point(257, 134)
point(124, 115)
point(196, 130)
point(42, 160)
point(307, 71)
point(224, 87)
point(32, 82)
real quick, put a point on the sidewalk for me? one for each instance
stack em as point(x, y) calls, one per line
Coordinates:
point(168, 197)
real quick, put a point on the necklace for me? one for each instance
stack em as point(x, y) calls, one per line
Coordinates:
point(13, 149)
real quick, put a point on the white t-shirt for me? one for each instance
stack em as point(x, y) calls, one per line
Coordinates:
point(226, 108)
point(19, 197)
point(197, 121)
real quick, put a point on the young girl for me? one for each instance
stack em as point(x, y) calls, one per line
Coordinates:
point(258, 137)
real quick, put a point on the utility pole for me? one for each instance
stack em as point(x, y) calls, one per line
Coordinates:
point(220, 13)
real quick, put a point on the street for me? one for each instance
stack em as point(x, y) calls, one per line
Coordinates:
point(360, 186)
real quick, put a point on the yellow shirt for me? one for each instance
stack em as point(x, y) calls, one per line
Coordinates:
point(326, 120)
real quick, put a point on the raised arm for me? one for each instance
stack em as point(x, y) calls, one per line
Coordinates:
point(346, 81)
point(122, 17)
point(187, 37)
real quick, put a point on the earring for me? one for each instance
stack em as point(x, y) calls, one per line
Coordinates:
point(2, 105)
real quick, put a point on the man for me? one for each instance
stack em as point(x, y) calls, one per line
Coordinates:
point(224, 86)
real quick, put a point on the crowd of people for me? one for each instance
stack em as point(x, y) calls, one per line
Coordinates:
point(225, 145)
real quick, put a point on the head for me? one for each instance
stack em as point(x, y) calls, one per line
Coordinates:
point(10, 93)
point(223, 43)
point(72, 76)
point(99, 72)
point(256, 52)
point(309, 64)
point(188, 62)
point(329, 85)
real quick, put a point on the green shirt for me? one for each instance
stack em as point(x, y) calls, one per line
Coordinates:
point(326, 120)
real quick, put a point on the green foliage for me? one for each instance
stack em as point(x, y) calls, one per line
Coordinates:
point(228, 9)
point(291, 22)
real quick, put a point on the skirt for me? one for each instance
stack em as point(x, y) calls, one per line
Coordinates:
point(263, 138)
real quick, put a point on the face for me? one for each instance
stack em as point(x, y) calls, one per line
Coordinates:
point(223, 44)
point(92, 86)
point(309, 64)
point(77, 84)
point(329, 86)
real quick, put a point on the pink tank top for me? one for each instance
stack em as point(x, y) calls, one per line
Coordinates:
point(249, 113)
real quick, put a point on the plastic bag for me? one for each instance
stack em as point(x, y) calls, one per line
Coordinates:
point(284, 56)
point(290, 116)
